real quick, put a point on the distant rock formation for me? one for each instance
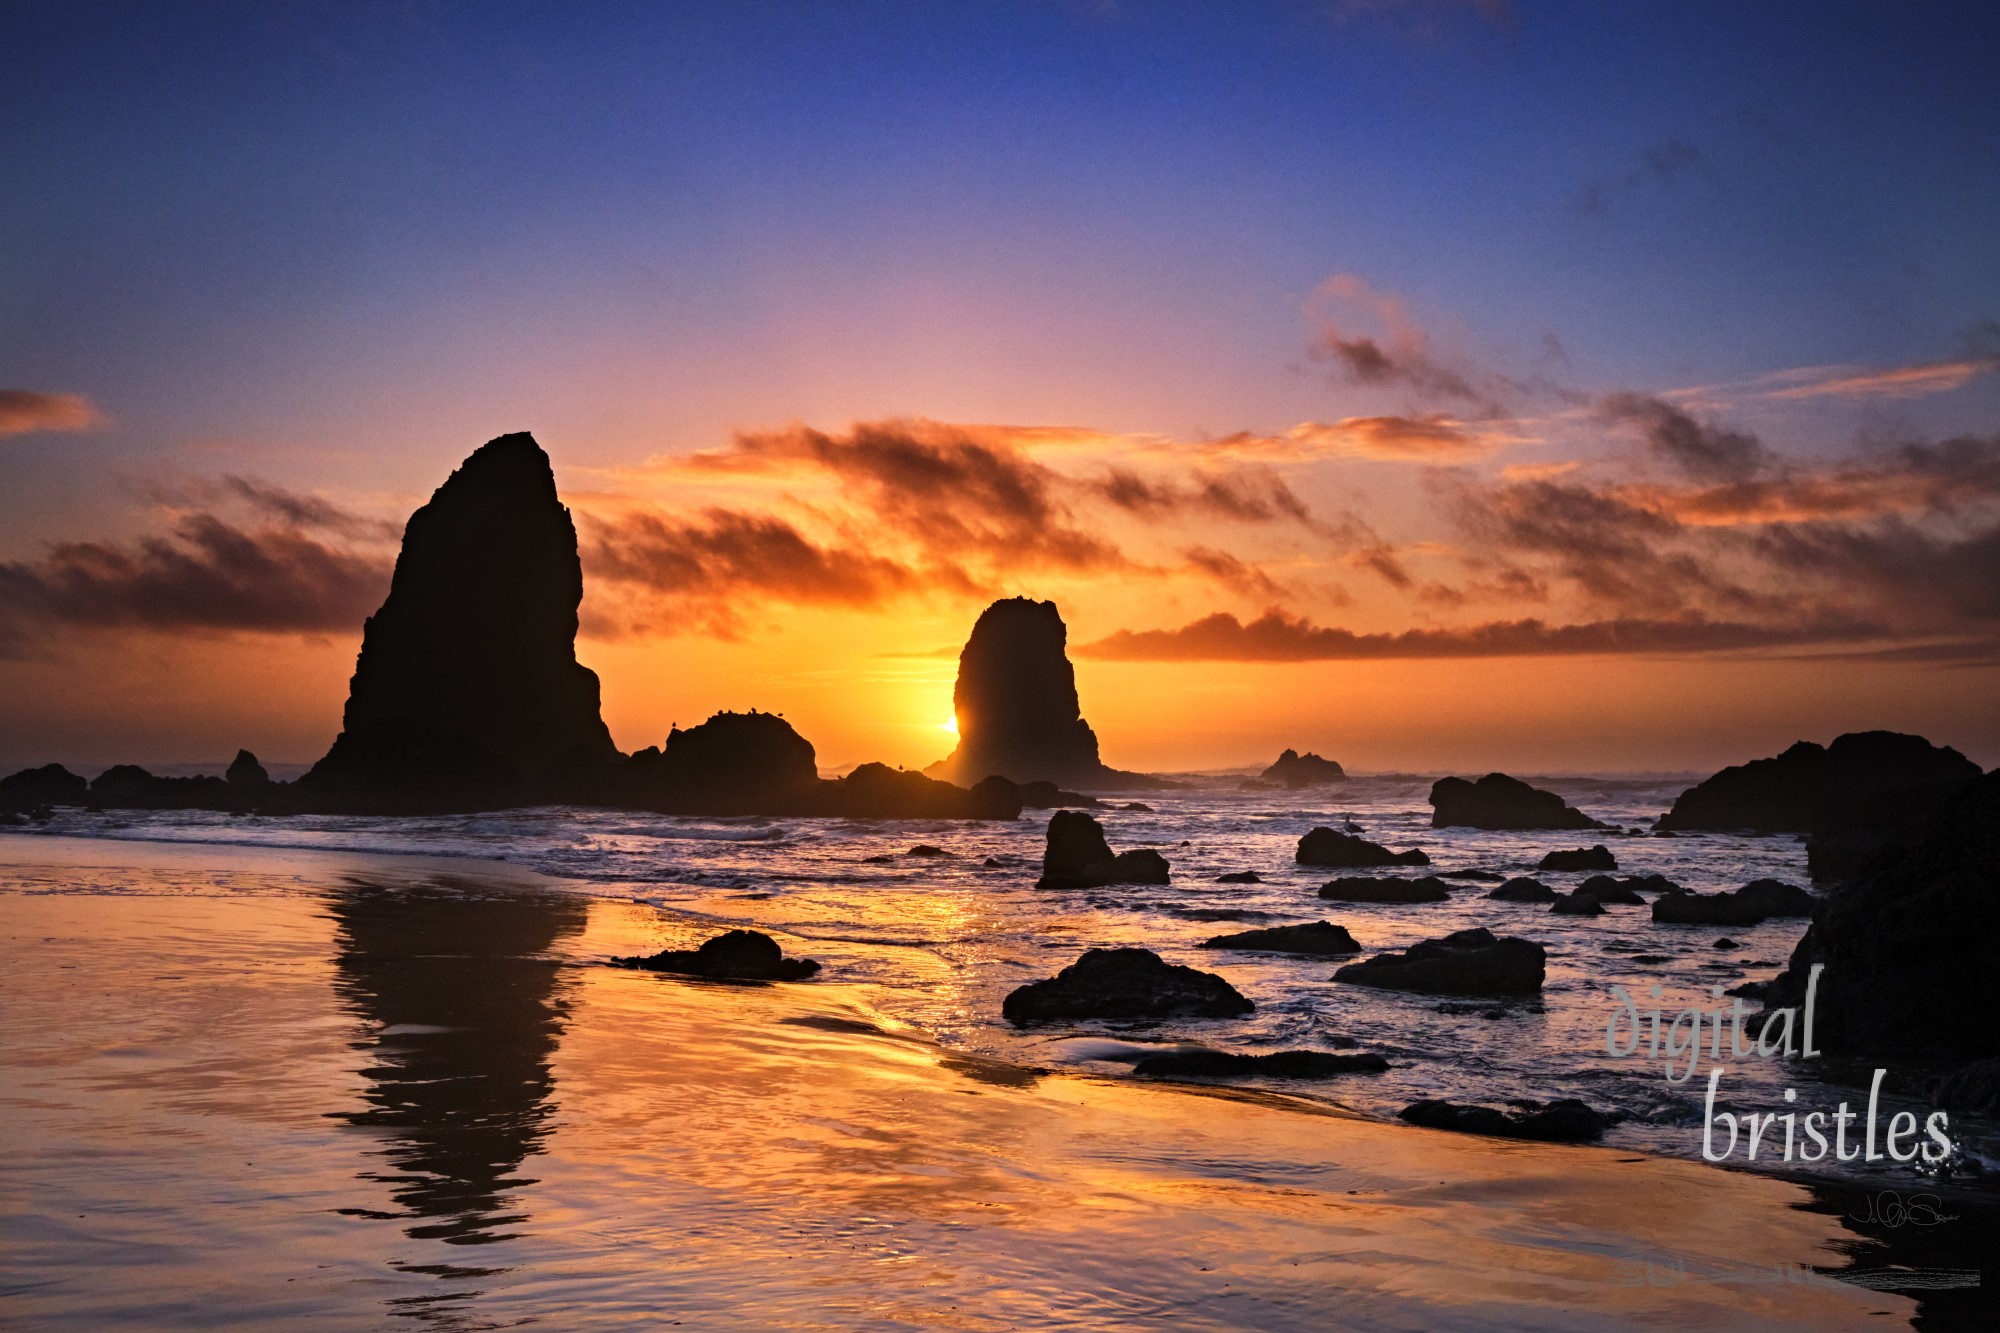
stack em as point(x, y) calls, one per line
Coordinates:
point(1343, 851)
point(1497, 801)
point(1125, 985)
point(1078, 857)
point(1303, 770)
point(1017, 709)
point(1911, 946)
point(1787, 794)
point(467, 692)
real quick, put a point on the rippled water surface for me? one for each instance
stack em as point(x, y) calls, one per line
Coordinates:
point(278, 1081)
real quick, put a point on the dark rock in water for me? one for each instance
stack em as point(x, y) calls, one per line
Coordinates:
point(925, 849)
point(1973, 1090)
point(736, 955)
point(1240, 877)
point(1619, 891)
point(1275, 1064)
point(1125, 985)
point(1465, 962)
point(51, 784)
point(1078, 857)
point(1774, 897)
point(1911, 946)
point(1706, 909)
point(1344, 851)
point(1316, 938)
point(1017, 708)
point(1367, 889)
point(1481, 876)
point(1522, 889)
point(1577, 904)
point(732, 764)
point(1565, 1121)
point(1582, 858)
point(1048, 796)
point(1303, 770)
point(245, 771)
point(467, 687)
point(1497, 801)
point(1787, 794)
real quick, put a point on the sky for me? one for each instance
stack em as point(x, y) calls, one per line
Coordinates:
point(1435, 384)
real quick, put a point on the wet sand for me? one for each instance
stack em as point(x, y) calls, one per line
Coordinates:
point(247, 1086)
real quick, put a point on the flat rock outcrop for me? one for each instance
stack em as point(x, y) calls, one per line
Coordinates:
point(1017, 708)
point(1076, 856)
point(736, 955)
point(467, 691)
point(1788, 793)
point(1465, 962)
point(1345, 851)
point(1911, 946)
point(1293, 769)
point(1316, 939)
point(1497, 801)
point(1125, 985)
point(1386, 889)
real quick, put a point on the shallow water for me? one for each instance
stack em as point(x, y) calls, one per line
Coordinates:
point(936, 943)
point(279, 1088)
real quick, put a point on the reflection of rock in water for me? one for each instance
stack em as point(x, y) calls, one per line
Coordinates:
point(464, 1019)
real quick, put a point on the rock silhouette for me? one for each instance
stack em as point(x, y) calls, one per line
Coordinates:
point(1786, 794)
point(1344, 851)
point(1465, 962)
point(1497, 801)
point(1128, 985)
point(467, 691)
point(1317, 938)
point(1076, 856)
point(1017, 708)
point(1912, 944)
point(1303, 770)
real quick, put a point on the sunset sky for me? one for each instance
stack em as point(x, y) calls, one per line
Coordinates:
point(1433, 385)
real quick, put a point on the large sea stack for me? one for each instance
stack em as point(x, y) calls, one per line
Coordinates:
point(1018, 715)
point(468, 694)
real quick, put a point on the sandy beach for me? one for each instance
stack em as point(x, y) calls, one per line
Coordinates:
point(250, 1086)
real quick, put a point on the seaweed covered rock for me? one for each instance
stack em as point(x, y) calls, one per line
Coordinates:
point(1303, 770)
point(736, 955)
point(1317, 938)
point(1125, 985)
point(1344, 851)
point(1465, 962)
point(1497, 801)
point(1368, 889)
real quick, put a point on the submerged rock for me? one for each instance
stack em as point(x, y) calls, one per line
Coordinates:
point(1523, 889)
point(736, 955)
point(1788, 793)
point(1274, 1064)
point(467, 687)
point(1125, 985)
point(1367, 889)
point(1078, 857)
point(1565, 1121)
point(1497, 801)
point(1343, 851)
point(1581, 858)
point(1314, 938)
point(1465, 962)
point(1303, 770)
point(1017, 708)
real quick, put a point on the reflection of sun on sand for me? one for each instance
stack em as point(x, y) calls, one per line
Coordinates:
point(343, 1086)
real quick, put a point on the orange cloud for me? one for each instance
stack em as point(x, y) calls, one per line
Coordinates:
point(22, 412)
